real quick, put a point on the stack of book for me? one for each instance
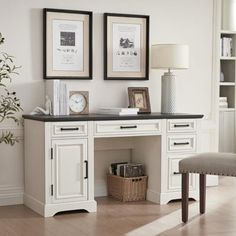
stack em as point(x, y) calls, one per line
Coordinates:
point(57, 92)
point(119, 111)
point(223, 103)
point(226, 47)
point(127, 170)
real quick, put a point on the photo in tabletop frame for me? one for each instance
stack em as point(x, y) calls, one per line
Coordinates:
point(139, 98)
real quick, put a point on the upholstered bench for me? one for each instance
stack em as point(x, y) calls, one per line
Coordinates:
point(204, 164)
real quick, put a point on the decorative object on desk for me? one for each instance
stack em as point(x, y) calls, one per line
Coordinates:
point(126, 47)
point(79, 102)
point(9, 103)
point(171, 57)
point(57, 92)
point(41, 111)
point(119, 111)
point(67, 44)
point(139, 98)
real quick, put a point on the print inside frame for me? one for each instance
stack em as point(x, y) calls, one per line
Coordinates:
point(126, 47)
point(139, 98)
point(67, 44)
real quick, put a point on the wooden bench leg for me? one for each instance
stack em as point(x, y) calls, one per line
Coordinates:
point(202, 186)
point(185, 195)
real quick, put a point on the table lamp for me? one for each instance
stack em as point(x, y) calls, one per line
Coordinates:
point(171, 57)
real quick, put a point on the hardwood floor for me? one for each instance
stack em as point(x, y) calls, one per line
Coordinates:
point(130, 219)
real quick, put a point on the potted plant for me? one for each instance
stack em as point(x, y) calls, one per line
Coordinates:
point(9, 103)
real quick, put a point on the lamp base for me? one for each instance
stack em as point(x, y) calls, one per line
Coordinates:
point(168, 93)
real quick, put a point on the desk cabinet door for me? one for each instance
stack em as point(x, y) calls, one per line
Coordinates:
point(69, 170)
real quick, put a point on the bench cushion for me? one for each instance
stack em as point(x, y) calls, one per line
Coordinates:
point(210, 163)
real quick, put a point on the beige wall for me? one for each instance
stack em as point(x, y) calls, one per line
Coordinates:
point(179, 21)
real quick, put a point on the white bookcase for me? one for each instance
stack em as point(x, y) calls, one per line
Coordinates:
point(227, 64)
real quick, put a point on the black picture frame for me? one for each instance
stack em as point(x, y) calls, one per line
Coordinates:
point(126, 75)
point(48, 71)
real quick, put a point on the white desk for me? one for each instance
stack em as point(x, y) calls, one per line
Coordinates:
point(59, 156)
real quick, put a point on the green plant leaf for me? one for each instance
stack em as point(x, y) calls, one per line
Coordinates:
point(9, 103)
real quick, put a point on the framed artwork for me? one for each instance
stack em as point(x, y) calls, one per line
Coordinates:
point(67, 44)
point(139, 98)
point(126, 47)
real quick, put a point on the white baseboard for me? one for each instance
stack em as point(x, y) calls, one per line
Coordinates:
point(11, 195)
point(34, 204)
point(100, 188)
point(153, 196)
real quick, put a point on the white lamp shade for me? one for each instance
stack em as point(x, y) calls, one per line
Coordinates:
point(170, 56)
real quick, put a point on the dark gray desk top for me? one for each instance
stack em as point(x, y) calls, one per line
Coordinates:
point(101, 117)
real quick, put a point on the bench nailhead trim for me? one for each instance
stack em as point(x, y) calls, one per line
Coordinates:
point(206, 173)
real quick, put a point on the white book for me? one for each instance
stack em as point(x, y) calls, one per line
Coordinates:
point(224, 46)
point(227, 47)
point(119, 110)
point(221, 47)
point(231, 47)
point(61, 95)
point(117, 113)
point(52, 91)
point(127, 114)
point(223, 99)
point(223, 104)
point(66, 100)
point(64, 108)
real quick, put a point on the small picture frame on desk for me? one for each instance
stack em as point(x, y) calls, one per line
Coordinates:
point(126, 47)
point(139, 98)
point(67, 44)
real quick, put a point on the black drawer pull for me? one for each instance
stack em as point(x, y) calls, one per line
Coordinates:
point(184, 143)
point(69, 129)
point(177, 126)
point(129, 127)
point(86, 168)
point(176, 173)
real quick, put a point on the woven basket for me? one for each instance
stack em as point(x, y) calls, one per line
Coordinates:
point(127, 189)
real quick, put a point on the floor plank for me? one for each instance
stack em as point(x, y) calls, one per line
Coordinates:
point(130, 219)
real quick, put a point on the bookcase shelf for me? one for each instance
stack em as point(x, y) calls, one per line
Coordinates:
point(227, 83)
point(227, 109)
point(227, 58)
point(226, 33)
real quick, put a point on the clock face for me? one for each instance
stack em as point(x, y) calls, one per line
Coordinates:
point(77, 102)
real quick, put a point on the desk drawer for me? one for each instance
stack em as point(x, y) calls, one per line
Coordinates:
point(174, 126)
point(62, 129)
point(132, 127)
point(174, 177)
point(181, 143)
